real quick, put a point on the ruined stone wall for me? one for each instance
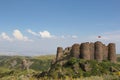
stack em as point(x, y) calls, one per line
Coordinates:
point(67, 50)
point(59, 53)
point(89, 51)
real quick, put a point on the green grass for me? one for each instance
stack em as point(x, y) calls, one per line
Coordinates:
point(23, 77)
point(44, 57)
point(42, 63)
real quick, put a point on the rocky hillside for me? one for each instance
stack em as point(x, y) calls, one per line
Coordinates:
point(83, 60)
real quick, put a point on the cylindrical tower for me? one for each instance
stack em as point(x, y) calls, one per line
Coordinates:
point(112, 52)
point(85, 51)
point(59, 53)
point(98, 51)
point(75, 51)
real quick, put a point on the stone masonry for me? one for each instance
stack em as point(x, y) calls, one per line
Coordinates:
point(89, 51)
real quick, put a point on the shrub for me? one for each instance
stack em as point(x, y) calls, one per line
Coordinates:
point(72, 61)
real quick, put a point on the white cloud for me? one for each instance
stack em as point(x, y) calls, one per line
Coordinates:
point(19, 36)
point(33, 33)
point(6, 37)
point(74, 36)
point(45, 34)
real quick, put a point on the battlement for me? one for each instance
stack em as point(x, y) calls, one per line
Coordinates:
point(89, 51)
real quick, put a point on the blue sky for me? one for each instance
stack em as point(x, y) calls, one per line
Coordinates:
point(37, 27)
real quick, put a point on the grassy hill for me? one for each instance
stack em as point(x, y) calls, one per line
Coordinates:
point(43, 63)
point(40, 63)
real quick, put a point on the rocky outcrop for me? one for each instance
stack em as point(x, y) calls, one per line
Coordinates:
point(86, 67)
point(89, 51)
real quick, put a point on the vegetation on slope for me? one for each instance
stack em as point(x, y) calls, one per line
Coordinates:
point(40, 63)
point(71, 70)
point(77, 68)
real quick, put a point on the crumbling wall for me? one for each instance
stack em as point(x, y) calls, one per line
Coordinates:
point(67, 50)
point(89, 51)
point(59, 53)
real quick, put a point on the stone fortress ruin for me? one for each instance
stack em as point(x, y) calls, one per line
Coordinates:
point(86, 58)
point(89, 51)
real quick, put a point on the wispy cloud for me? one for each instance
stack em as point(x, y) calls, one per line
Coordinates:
point(42, 34)
point(74, 36)
point(32, 32)
point(6, 37)
point(45, 34)
point(19, 36)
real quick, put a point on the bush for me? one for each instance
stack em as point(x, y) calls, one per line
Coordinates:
point(72, 61)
